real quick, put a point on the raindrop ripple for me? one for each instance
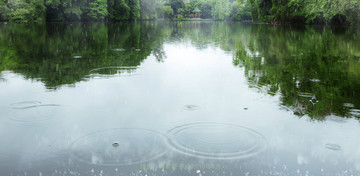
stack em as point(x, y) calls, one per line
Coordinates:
point(25, 104)
point(216, 141)
point(191, 107)
point(105, 72)
point(133, 146)
point(305, 94)
point(33, 111)
point(332, 146)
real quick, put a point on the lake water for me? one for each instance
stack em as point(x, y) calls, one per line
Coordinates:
point(183, 98)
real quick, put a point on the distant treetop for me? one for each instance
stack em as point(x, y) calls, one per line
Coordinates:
point(196, 10)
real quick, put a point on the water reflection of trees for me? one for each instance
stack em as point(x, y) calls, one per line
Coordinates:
point(59, 54)
point(203, 34)
point(295, 62)
point(303, 64)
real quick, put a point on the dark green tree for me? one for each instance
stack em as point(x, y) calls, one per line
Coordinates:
point(241, 10)
point(124, 9)
point(187, 10)
point(176, 5)
point(97, 9)
point(167, 12)
point(118, 10)
point(22, 11)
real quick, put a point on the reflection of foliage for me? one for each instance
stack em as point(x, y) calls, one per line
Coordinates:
point(296, 63)
point(52, 53)
point(159, 54)
point(304, 63)
point(204, 34)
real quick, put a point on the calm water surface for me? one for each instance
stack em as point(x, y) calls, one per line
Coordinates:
point(183, 98)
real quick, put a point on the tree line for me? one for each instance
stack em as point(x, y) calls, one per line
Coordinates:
point(83, 10)
point(268, 11)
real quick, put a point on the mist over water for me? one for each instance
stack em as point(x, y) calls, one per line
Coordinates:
point(183, 98)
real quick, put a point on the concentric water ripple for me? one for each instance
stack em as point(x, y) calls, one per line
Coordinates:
point(332, 146)
point(191, 107)
point(25, 104)
point(348, 105)
point(355, 113)
point(315, 80)
point(121, 146)
point(112, 71)
point(217, 140)
point(305, 94)
point(119, 49)
point(30, 104)
point(33, 111)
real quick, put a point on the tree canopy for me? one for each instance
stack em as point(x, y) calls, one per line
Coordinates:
point(268, 11)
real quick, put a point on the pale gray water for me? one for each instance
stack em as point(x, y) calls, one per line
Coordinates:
point(193, 113)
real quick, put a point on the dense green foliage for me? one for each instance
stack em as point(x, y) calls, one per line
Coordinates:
point(167, 12)
point(97, 9)
point(269, 11)
point(240, 10)
point(277, 11)
point(85, 10)
point(21, 10)
point(309, 11)
point(176, 5)
point(124, 9)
